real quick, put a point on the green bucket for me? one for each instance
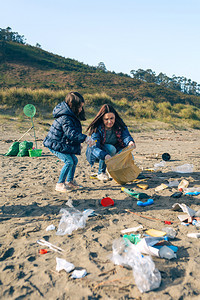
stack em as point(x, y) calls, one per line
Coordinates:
point(35, 152)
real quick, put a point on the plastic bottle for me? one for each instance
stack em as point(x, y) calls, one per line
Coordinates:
point(186, 168)
point(166, 252)
point(183, 185)
point(171, 232)
point(192, 189)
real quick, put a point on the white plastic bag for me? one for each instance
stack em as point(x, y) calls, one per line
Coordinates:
point(62, 264)
point(71, 220)
point(146, 276)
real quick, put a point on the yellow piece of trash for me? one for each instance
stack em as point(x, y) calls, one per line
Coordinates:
point(150, 170)
point(143, 186)
point(161, 187)
point(155, 233)
point(93, 177)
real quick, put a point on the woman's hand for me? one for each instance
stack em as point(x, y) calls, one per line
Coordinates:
point(132, 144)
point(107, 156)
point(90, 141)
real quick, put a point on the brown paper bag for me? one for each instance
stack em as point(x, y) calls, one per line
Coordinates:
point(121, 166)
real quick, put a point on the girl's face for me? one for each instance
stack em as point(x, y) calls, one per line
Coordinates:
point(81, 107)
point(109, 120)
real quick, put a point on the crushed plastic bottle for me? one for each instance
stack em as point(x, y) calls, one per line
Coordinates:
point(166, 252)
point(171, 232)
point(186, 168)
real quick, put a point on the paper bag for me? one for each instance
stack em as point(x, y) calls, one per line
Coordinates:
point(121, 166)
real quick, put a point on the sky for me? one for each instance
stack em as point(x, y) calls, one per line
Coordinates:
point(161, 35)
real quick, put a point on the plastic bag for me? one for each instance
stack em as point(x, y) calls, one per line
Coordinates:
point(13, 150)
point(71, 220)
point(62, 264)
point(121, 166)
point(186, 168)
point(146, 276)
point(24, 147)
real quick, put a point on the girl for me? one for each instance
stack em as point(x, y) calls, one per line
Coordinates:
point(111, 135)
point(65, 137)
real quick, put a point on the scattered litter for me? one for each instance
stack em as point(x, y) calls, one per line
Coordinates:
point(43, 251)
point(192, 189)
point(173, 183)
point(71, 220)
point(148, 202)
point(183, 185)
point(166, 156)
point(90, 212)
point(193, 193)
point(171, 232)
point(146, 276)
point(143, 186)
point(161, 187)
point(135, 194)
point(155, 233)
point(51, 246)
point(186, 168)
point(62, 264)
point(185, 209)
point(79, 274)
point(133, 238)
point(159, 165)
point(177, 195)
point(50, 227)
point(195, 235)
point(107, 202)
point(185, 224)
point(133, 229)
point(166, 252)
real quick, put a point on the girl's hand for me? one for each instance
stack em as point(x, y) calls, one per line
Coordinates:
point(132, 144)
point(107, 156)
point(90, 141)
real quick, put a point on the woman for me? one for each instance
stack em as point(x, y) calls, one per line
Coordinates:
point(111, 135)
point(65, 137)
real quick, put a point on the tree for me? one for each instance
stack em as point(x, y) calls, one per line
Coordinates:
point(6, 35)
point(101, 67)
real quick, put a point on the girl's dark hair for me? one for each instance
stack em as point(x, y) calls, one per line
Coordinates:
point(74, 100)
point(106, 108)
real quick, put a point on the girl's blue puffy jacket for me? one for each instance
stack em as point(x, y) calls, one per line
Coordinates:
point(65, 134)
point(94, 153)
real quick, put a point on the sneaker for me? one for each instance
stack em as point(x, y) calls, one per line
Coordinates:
point(103, 177)
point(73, 185)
point(60, 187)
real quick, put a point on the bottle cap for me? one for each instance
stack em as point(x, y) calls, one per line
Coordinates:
point(43, 251)
point(107, 202)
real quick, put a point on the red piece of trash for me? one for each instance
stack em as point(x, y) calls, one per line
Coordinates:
point(43, 251)
point(107, 202)
point(168, 222)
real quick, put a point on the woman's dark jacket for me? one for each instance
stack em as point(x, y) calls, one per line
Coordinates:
point(94, 153)
point(65, 134)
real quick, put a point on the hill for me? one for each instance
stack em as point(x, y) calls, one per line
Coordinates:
point(31, 67)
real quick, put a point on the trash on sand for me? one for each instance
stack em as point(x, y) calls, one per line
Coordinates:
point(107, 201)
point(135, 194)
point(159, 165)
point(133, 229)
point(76, 274)
point(71, 220)
point(50, 227)
point(166, 156)
point(146, 276)
point(177, 195)
point(192, 189)
point(90, 212)
point(183, 185)
point(133, 238)
point(186, 168)
point(185, 209)
point(171, 232)
point(166, 252)
point(185, 224)
point(155, 233)
point(148, 202)
point(62, 264)
point(192, 193)
point(51, 246)
point(161, 187)
point(143, 186)
point(173, 183)
point(195, 235)
point(43, 251)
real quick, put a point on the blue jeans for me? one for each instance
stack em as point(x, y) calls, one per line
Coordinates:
point(69, 168)
point(111, 151)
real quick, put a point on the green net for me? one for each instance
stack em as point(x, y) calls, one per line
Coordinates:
point(29, 110)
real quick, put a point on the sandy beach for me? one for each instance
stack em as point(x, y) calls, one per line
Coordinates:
point(29, 204)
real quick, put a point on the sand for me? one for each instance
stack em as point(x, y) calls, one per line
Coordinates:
point(29, 204)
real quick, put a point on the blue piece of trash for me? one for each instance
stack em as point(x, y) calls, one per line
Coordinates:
point(192, 193)
point(148, 202)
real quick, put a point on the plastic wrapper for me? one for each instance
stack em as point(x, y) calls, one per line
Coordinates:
point(146, 276)
point(186, 168)
point(166, 252)
point(79, 274)
point(71, 220)
point(171, 232)
point(62, 264)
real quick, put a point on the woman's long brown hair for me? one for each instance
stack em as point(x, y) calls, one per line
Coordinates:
point(106, 108)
